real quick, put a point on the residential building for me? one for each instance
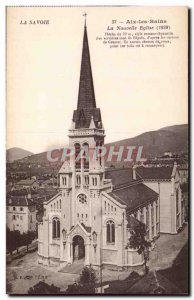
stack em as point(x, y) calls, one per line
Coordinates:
point(28, 184)
point(21, 214)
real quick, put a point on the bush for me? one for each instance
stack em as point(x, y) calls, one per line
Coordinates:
point(86, 283)
point(42, 288)
point(14, 239)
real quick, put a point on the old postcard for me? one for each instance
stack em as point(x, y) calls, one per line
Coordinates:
point(97, 150)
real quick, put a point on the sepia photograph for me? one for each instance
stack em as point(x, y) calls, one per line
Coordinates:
point(97, 150)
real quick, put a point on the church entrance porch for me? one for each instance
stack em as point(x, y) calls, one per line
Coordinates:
point(78, 248)
point(78, 245)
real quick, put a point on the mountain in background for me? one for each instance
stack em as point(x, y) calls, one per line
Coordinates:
point(155, 143)
point(16, 153)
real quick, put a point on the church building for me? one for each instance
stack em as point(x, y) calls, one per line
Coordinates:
point(91, 216)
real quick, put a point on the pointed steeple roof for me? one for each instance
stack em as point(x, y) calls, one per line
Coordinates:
point(86, 106)
point(86, 96)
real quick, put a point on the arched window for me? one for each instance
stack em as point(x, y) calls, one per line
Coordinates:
point(97, 150)
point(94, 181)
point(152, 218)
point(78, 179)
point(141, 216)
point(110, 232)
point(99, 145)
point(77, 156)
point(86, 156)
point(86, 179)
point(147, 217)
point(64, 180)
point(177, 201)
point(60, 203)
point(100, 152)
point(56, 228)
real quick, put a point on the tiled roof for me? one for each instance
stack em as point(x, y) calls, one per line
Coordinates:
point(134, 196)
point(19, 201)
point(163, 173)
point(154, 283)
point(82, 117)
point(26, 182)
point(119, 176)
point(87, 228)
point(165, 161)
point(51, 195)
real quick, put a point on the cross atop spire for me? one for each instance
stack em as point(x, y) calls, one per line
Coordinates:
point(85, 15)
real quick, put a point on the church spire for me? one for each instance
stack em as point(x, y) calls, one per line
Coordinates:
point(86, 106)
point(86, 96)
point(85, 15)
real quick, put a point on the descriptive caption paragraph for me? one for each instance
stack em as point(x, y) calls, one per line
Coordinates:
point(138, 33)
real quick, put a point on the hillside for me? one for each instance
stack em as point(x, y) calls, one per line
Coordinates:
point(16, 153)
point(155, 143)
point(180, 129)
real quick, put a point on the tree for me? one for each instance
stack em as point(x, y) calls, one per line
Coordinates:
point(73, 289)
point(86, 283)
point(14, 240)
point(138, 241)
point(27, 238)
point(42, 288)
point(88, 280)
point(9, 243)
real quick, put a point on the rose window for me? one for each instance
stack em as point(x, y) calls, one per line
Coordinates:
point(82, 198)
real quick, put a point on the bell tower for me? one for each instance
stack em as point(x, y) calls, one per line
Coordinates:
point(82, 177)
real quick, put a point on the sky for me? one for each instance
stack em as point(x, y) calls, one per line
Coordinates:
point(137, 89)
